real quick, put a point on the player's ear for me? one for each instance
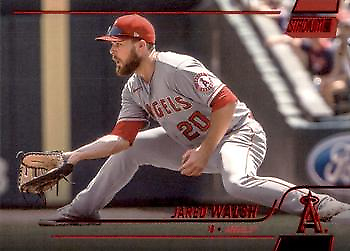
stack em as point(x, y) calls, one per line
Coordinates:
point(141, 46)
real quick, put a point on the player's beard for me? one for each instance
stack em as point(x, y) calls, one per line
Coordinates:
point(130, 65)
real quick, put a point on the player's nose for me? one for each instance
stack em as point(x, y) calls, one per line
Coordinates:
point(112, 50)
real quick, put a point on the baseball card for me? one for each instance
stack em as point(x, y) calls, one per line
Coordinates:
point(175, 125)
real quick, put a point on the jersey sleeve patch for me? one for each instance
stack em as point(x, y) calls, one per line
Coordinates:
point(203, 82)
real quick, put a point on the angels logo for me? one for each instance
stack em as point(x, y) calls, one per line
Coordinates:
point(203, 82)
point(329, 161)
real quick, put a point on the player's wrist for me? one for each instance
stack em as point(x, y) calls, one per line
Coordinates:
point(74, 157)
point(206, 150)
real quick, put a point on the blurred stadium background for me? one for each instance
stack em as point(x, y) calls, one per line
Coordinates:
point(59, 91)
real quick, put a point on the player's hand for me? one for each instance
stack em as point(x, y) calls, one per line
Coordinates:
point(193, 162)
point(71, 157)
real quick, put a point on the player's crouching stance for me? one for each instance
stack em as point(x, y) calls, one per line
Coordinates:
point(208, 128)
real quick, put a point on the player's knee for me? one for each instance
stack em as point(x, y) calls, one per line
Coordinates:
point(234, 184)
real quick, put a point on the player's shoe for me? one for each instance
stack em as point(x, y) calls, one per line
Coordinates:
point(68, 221)
point(331, 210)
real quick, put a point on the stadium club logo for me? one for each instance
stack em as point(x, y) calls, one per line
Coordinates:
point(329, 161)
point(313, 18)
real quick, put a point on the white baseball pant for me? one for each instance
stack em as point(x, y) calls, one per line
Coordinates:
point(237, 159)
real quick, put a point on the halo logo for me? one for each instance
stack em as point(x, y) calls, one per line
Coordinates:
point(329, 161)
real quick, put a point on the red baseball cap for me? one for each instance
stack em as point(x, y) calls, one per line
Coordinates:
point(134, 26)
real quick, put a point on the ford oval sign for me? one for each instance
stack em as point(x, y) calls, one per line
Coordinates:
point(329, 161)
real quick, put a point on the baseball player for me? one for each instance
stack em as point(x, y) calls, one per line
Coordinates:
point(204, 128)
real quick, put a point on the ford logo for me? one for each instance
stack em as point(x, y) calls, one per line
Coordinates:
point(329, 161)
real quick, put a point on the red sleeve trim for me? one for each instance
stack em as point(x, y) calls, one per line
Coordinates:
point(224, 97)
point(128, 129)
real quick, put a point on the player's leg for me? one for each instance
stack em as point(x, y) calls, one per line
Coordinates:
point(241, 155)
point(150, 147)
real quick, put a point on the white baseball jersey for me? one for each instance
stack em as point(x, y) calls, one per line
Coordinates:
point(178, 98)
